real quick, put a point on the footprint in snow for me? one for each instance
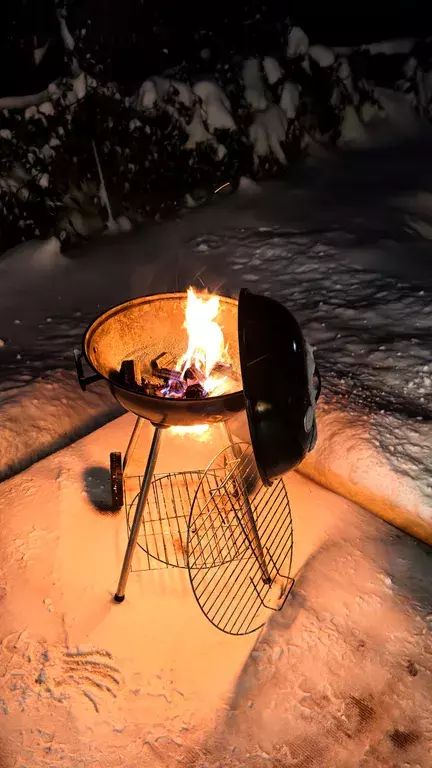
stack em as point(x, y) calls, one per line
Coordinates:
point(32, 669)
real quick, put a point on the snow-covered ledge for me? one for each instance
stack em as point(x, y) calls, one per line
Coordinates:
point(347, 462)
point(23, 102)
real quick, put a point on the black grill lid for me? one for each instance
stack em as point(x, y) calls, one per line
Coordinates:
point(277, 373)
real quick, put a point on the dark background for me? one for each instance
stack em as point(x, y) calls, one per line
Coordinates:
point(128, 40)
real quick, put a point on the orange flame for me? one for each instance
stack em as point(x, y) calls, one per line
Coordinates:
point(205, 339)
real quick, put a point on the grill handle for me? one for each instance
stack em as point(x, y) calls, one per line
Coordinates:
point(84, 381)
point(318, 376)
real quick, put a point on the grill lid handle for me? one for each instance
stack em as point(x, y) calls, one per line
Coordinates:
point(84, 381)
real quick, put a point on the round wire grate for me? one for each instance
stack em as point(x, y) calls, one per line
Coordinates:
point(239, 543)
point(163, 534)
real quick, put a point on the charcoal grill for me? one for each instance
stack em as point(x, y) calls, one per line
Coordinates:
point(229, 525)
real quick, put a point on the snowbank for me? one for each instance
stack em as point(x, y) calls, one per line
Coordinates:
point(351, 460)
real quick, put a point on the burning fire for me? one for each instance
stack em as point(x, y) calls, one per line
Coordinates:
point(206, 345)
point(206, 348)
point(197, 373)
point(204, 368)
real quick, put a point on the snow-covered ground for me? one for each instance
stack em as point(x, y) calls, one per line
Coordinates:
point(342, 676)
point(345, 244)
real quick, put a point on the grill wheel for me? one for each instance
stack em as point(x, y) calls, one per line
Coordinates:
point(116, 472)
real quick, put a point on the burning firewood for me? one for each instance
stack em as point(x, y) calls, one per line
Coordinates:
point(164, 373)
point(189, 377)
point(193, 375)
point(149, 388)
point(178, 384)
point(175, 384)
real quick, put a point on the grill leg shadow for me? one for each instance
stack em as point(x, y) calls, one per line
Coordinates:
point(97, 485)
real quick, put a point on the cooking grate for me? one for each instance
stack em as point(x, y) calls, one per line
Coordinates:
point(232, 533)
point(163, 534)
point(238, 573)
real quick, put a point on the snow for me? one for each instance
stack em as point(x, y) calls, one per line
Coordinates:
point(272, 68)
point(147, 95)
point(46, 108)
point(39, 53)
point(215, 105)
point(267, 132)
point(160, 90)
point(206, 105)
point(389, 47)
point(392, 119)
point(322, 55)
point(398, 109)
point(341, 676)
point(352, 128)
point(290, 99)
point(196, 130)
point(68, 40)
point(79, 88)
point(298, 43)
point(43, 180)
point(22, 102)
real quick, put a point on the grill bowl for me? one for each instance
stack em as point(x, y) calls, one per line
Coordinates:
point(141, 329)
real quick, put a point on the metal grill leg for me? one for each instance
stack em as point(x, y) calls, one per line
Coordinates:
point(252, 530)
point(142, 500)
point(132, 442)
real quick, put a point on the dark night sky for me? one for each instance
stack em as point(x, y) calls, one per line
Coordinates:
point(335, 22)
point(136, 32)
point(344, 23)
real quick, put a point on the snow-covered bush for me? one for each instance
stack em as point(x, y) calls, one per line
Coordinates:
point(92, 149)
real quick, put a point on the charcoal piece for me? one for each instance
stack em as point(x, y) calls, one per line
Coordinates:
point(194, 375)
point(127, 374)
point(163, 373)
point(196, 392)
point(166, 374)
point(149, 388)
point(154, 362)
